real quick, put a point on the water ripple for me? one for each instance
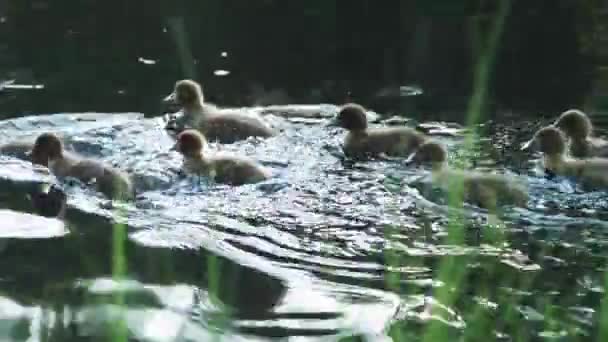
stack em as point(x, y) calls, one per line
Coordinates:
point(327, 248)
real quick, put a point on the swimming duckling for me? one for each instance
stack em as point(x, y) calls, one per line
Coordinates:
point(361, 140)
point(578, 128)
point(487, 190)
point(221, 168)
point(221, 125)
point(551, 141)
point(48, 151)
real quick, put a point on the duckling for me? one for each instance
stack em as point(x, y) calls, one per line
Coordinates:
point(361, 140)
point(49, 151)
point(578, 128)
point(551, 141)
point(487, 190)
point(221, 125)
point(227, 169)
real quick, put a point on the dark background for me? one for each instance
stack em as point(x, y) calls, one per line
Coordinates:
point(86, 52)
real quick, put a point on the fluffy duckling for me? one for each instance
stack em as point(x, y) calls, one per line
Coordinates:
point(223, 126)
point(578, 128)
point(48, 151)
point(221, 168)
point(361, 140)
point(487, 190)
point(591, 173)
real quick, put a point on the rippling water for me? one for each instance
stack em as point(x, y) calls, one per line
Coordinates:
point(327, 249)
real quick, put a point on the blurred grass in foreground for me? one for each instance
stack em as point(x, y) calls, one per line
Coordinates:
point(452, 271)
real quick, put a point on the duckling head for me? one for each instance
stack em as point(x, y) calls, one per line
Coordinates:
point(575, 124)
point(352, 117)
point(47, 146)
point(429, 153)
point(550, 141)
point(190, 143)
point(188, 93)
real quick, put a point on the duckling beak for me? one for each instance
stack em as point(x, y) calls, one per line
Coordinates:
point(528, 145)
point(333, 122)
point(45, 188)
point(169, 98)
point(169, 104)
point(411, 160)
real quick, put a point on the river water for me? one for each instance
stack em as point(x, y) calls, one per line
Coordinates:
point(327, 249)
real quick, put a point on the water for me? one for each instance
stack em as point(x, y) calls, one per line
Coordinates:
point(326, 249)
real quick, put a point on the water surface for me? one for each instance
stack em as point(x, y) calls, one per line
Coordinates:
point(327, 249)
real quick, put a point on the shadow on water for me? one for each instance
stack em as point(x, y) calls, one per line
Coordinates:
point(55, 272)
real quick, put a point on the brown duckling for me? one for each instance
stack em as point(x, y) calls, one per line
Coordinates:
point(215, 124)
point(578, 128)
point(487, 190)
point(361, 140)
point(551, 141)
point(48, 151)
point(227, 169)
